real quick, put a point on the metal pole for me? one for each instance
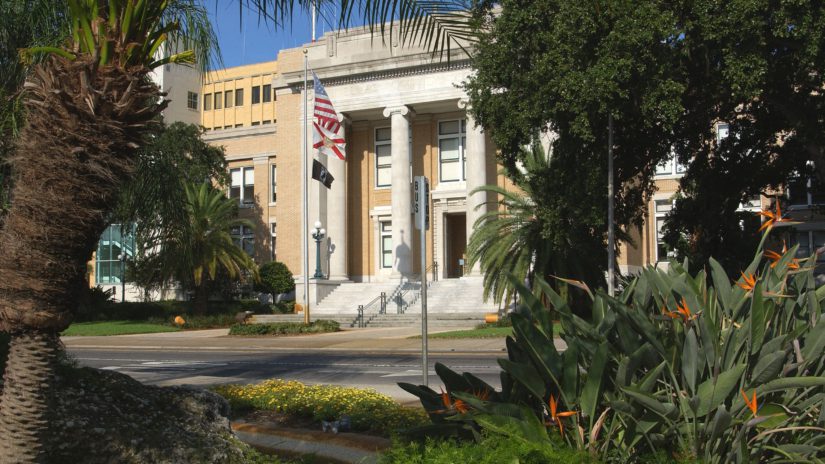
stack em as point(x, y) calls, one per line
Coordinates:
point(422, 233)
point(305, 219)
point(611, 235)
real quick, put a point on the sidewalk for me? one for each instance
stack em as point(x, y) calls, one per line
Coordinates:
point(378, 340)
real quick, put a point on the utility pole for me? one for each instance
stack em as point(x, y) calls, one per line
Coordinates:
point(611, 233)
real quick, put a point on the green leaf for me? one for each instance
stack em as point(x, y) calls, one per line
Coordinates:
point(570, 373)
point(690, 355)
point(591, 394)
point(526, 375)
point(815, 342)
point(774, 415)
point(721, 282)
point(791, 382)
point(528, 428)
point(649, 380)
point(757, 319)
point(665, 410)
point(767, 368)
point(714, 391)
point(720, 422)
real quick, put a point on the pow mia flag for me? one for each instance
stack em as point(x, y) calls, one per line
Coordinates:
point(320, 173)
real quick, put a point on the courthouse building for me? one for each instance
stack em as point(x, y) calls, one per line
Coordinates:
point(403, 114)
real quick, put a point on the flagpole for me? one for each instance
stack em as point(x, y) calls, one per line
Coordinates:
point(305, 219)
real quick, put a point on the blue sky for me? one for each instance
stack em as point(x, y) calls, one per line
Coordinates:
point(256, 41)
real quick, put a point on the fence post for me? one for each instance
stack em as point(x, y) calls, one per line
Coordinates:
point(383, 303)
point(360, 316)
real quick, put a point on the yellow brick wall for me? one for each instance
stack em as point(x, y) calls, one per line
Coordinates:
point(231, 79)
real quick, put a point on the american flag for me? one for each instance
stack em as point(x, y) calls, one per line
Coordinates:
point(325, 136)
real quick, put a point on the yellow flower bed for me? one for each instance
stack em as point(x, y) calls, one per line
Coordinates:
point(367, 409)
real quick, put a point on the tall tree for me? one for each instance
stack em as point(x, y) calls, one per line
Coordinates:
point(155, 200)
point(199, 247)
point(561, 68)
point(757, 67)
point(88, 105)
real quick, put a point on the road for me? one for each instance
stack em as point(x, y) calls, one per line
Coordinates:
point(189, 366)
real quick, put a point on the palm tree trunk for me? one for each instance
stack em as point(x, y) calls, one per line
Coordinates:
point(74, 153)
point(26, 395)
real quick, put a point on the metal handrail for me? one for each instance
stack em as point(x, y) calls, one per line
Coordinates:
point(434, 268)
point(380, 300)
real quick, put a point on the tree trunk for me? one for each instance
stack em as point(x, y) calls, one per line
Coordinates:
point(201, 298)
point(76, 150)
point(27, 390)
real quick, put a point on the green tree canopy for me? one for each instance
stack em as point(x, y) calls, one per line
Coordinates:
point(275, 278)
point(667, 72)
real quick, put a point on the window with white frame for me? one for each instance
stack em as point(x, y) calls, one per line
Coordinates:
point(752, 204)
point(451, 142)
point(273, 178)
point(116, 245)
point(670, 167)
point(662, 207)
point(244, 238)
point(383, 157)
point(192, 100)
point(272, 230)
point(722, 132)
point(385, 229)
point(243, 185)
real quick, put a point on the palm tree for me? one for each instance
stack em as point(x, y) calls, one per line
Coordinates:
point(201, 246)
point(87, 105)
point(511, 241)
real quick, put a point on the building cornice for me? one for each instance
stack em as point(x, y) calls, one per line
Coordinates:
point(239, 132)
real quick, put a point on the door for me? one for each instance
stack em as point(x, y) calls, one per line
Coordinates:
point(456, 241)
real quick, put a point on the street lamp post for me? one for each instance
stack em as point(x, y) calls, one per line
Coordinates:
point(318, 234)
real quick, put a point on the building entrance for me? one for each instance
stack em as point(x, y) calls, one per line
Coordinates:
point(456, 244)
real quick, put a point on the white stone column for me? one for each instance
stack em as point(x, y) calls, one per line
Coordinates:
point(337, 213)
point(402, 224)
point(475, 152)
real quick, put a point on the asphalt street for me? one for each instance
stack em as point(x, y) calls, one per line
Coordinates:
point(197, 367)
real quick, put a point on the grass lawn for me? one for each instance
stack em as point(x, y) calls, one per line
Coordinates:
point(89, 329)
point(484, 332)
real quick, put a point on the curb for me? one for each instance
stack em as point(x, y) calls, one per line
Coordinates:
point(281, 349)
point(345, 448)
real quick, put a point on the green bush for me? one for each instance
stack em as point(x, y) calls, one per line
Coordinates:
point(284, 328)
point(662, 367)
point(284, 307)
point(502, 322)
point(275, 278)
point(491, 449)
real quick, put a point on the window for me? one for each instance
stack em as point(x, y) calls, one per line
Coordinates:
point(267, 122)
point(207, 101)
point(722, 132)
point(115, 242)
point(663, 252)
point(451, 140)
point(272, 230)
point(256, 123)
point(227, 101)
point(218, 100)
point(244, 239)
point(256, 94)
point(809, 241)
point(239, 125)
point(243, 185)
point(227, 127)
point(273, 180)
point(804, 191)
point(385, 228)
point(239, 97)
point(192, 100)
point(670, 167)
point(383, 157)
point(267, 93)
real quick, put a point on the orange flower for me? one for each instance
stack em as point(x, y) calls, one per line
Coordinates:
point(773, 218)
point(450, 405)
point(750, 403)
point(555, 418)
point(749, 281)
point(483, 395)
point(793, 264)
point(682, 312)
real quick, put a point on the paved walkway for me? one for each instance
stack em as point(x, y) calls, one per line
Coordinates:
point(387, 340)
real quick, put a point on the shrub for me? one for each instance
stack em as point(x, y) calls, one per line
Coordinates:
point(283, 307)
point(688, 365)
point(502, 322)
point(491, 449)
point(168, 309)
point(285, 328)
point(275, 278)
point(367, 409)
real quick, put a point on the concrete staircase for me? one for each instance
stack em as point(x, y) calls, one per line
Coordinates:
point(451, 304)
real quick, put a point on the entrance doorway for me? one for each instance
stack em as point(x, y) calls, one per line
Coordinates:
point(456, 244)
